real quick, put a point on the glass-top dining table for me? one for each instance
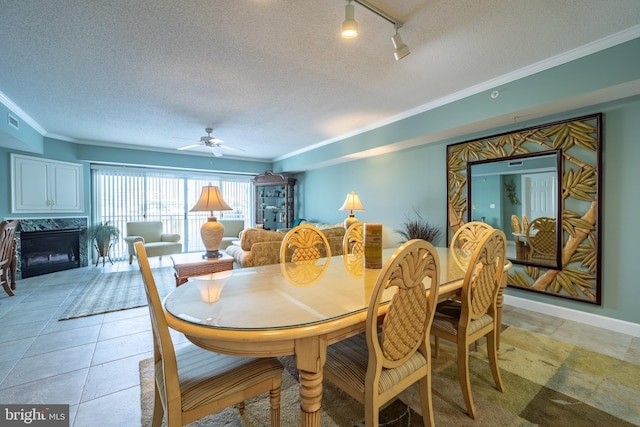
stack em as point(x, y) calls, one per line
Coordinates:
point(288, 309)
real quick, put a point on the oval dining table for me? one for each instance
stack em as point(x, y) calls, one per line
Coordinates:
point(287, 309)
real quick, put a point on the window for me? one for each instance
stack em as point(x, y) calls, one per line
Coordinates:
point(121, 195)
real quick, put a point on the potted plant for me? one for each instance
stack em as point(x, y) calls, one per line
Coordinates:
point(102, 234)
point(416, 227)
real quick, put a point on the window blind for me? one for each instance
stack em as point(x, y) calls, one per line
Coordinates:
point(121, 195)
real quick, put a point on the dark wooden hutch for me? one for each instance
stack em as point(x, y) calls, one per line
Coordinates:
point(274, 200)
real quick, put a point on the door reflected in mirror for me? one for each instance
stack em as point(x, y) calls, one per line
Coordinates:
point(521, 196)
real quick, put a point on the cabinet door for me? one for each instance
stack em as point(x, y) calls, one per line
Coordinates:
point(44, 185)
point(30, 185)
point(65, 187)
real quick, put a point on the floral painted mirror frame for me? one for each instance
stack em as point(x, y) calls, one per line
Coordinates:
point(580, 142)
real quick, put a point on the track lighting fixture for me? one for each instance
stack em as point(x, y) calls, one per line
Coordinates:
point(349, 26)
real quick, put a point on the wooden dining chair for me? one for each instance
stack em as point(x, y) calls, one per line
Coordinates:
point(374, 367)
point(525, 223)
point(476, 314)
point(541, 236)
point(353, 241)
point(191, 382)
point(302, 243)
point(466, 239)
point(516, 227)
point(8, 255)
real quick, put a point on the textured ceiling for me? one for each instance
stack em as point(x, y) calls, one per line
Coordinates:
point(270, 76)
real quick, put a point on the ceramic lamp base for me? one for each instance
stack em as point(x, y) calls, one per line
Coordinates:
point(350, 221)
point(211, 233)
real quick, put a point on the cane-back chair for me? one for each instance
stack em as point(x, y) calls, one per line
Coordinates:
point(375, 366)
point(541, 236)
point(475, 315)
point(190, 382)
point(303, 243)
point(353, 242)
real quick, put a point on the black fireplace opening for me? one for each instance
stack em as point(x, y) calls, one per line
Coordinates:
point(49, 251)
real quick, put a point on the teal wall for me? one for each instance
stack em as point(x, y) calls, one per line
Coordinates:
point(392, 184)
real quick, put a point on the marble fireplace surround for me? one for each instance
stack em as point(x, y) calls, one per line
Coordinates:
point(47, 224)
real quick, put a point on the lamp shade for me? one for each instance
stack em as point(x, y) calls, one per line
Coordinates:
point(210, 200)
point(351, 203)
point(211, 231)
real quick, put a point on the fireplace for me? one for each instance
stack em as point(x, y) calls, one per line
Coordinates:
point(48, 251)
point(43, 260)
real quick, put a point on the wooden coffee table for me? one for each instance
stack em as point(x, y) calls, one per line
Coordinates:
point(193, 264)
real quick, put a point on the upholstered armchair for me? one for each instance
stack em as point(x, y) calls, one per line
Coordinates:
point(232, 230)
point(156, 243)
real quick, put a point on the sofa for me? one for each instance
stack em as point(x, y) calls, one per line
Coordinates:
point(156, 243)
point(262, 247)
point(232, 230)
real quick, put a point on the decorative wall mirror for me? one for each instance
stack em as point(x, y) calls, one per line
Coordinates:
point(513, 193)
point(551, 174)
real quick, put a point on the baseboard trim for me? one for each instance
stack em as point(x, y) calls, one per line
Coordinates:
point(615, 325)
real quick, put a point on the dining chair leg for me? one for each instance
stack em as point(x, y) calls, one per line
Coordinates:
point(371, 415)
point(274, 400)
point(158, 410)
point(463, 377)
point(426, 401)
point(7, 288)
point(492, 352)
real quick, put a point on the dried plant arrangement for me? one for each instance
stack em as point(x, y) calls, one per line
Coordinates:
point(416, 227)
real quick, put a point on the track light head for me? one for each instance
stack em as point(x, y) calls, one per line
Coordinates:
point(349, 26)
point(401, 49)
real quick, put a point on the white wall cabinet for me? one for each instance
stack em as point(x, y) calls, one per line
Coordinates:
point(40, 185)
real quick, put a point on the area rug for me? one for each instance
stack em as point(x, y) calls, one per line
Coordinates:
point(107, 292)
point(548, 383)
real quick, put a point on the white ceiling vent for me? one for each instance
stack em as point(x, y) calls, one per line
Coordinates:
point(13, 121)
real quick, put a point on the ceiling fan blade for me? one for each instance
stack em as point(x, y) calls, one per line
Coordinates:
point(216, 152)
point(188, 146)
point(230, 148)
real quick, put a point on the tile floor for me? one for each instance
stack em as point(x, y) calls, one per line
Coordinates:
point(92, 362)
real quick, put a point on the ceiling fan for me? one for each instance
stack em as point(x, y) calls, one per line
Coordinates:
point(214, 144)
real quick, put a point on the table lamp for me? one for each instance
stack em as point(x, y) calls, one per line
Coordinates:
point(211, 231)
point(351, 203)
